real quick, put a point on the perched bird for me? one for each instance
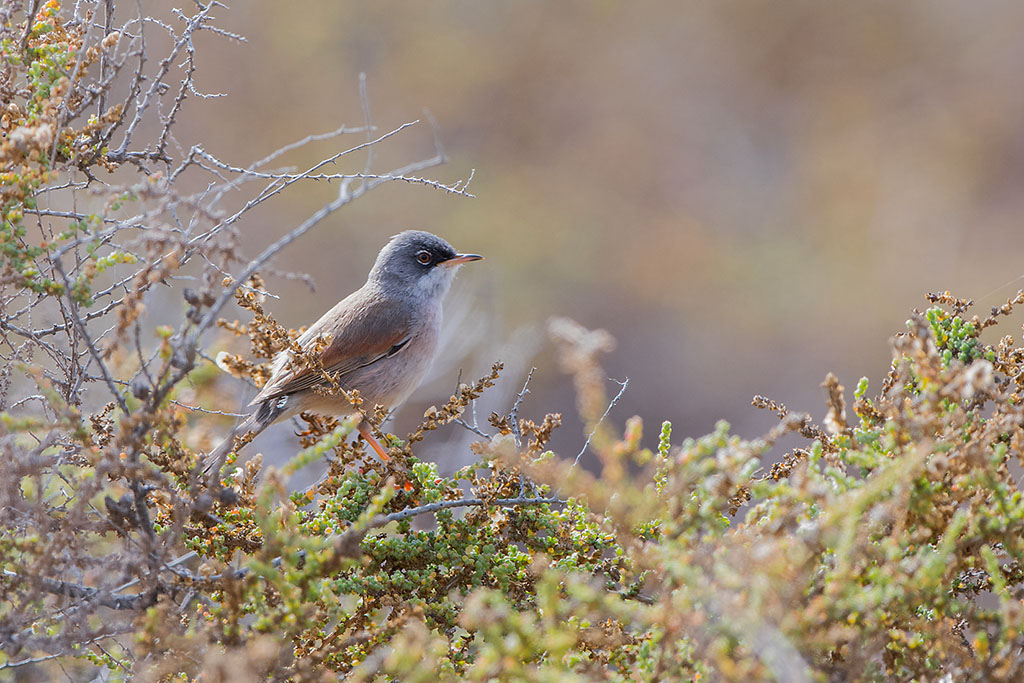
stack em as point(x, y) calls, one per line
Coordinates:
point(383, 339)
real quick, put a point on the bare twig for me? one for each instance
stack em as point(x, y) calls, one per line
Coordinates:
point(597, 424)
point(462, 502)
point(95, 595)
point(513, 415)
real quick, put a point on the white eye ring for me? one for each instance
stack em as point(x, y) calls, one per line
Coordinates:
point(424, 257)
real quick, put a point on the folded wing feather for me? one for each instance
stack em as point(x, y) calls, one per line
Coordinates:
point(370, 333)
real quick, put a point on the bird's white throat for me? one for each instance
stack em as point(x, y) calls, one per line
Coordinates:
point(436, 281)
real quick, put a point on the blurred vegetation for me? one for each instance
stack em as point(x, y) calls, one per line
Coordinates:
point(886, 545)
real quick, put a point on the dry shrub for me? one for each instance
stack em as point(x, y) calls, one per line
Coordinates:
point(886, 547)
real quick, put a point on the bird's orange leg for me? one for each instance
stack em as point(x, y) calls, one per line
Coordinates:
point(364, 430)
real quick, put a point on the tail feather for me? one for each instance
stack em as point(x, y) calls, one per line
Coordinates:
point(259, 419)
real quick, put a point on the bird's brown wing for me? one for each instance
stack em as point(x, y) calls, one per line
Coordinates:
point(364, 332)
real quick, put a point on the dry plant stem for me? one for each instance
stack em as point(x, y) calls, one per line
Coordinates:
point(611, 404)
point(514, 413)
point(464, 502)
point(137, 601)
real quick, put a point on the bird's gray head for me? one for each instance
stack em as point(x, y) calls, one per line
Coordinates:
point(417, 264)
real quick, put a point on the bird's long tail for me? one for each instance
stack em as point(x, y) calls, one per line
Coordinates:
point(259, 419)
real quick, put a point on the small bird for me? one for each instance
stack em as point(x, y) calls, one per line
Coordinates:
point(383, 339)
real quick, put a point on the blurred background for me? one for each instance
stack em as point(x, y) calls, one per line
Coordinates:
point(746, 195)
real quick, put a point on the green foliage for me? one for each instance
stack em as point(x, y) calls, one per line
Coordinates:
point(955, 337)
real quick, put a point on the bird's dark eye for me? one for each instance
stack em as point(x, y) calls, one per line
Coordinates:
point(424, 257)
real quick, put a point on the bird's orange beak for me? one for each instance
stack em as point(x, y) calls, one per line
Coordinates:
point(459, 259)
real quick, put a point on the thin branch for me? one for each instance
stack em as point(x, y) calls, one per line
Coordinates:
point(381, 520)
point(29, 24)
point(607, 410)
point(125, 628)
point(513, 415)
point(476, 430)
point(80, 325)
point(313, 137)
point(100, 597)
point(207, 411)
point(157, 80)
